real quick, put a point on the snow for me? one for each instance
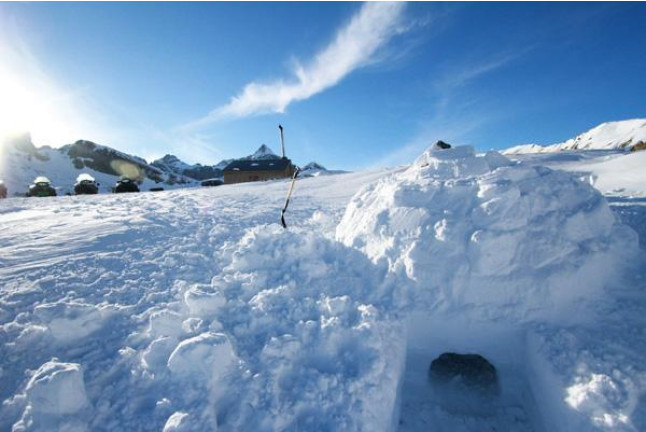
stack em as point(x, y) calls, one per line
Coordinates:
point(615, 173)
point(85, 177)
point(69, 322)
point(55, 397)
point(205, 356)
point(468, 231)
point(619, 135)
point(57, 388)
point(194, 310)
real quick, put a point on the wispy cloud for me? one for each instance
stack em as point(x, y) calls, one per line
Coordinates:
point(464, 74)
point(456, 117)
point(456, 126)
point(354, 46)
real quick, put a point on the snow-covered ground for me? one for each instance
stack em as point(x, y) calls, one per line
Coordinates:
point(193, 309)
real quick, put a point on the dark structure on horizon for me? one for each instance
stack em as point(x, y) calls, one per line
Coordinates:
point(241, 171)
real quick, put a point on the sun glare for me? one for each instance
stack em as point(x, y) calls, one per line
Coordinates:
point(25, 108)
point(20, 109)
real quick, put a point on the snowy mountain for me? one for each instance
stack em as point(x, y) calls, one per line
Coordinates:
point(626, 135)
point(22, 162)
point(314, 169)
point(172, 164)
point(313, 166)
point(264, 152)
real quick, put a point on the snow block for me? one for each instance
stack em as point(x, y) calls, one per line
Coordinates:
point(165, 323)
point(57, 388)
point(178, 422)
point(155, 357)
point(206, 356)
point(201, 302)
point(69, 322)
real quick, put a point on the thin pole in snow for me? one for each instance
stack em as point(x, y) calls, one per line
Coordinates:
point(282, 140)
point(289, 194)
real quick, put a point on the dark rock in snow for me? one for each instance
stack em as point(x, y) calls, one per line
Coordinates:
point(441, 144)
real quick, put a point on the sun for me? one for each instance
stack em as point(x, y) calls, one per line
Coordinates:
point(29, 107)
point(18, 107)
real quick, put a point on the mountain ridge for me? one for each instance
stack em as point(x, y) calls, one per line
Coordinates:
point(23, 161)
point(626, 135)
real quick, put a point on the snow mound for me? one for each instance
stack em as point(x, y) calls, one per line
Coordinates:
point(312, 338)
point(55, 398)
point(483, 236)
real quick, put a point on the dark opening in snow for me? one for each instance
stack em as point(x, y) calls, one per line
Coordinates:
point(471, 371)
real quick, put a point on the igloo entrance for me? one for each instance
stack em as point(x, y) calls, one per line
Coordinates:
point(470, 372)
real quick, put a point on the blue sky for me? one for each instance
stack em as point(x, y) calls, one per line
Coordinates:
point(356, 85)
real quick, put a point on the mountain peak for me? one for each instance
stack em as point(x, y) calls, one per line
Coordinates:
point(169, 158)
point(264, 152)
point(172, 164)
point(314, 166)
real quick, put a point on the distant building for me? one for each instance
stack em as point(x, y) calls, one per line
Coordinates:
point(242, 171)
point(212, 182)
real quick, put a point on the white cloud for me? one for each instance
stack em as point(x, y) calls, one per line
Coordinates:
point(464, 74)
point(353, 47)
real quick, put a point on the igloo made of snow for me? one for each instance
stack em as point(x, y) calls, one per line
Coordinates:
point(482, 236)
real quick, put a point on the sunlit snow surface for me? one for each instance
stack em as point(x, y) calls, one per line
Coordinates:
point(194, 310)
